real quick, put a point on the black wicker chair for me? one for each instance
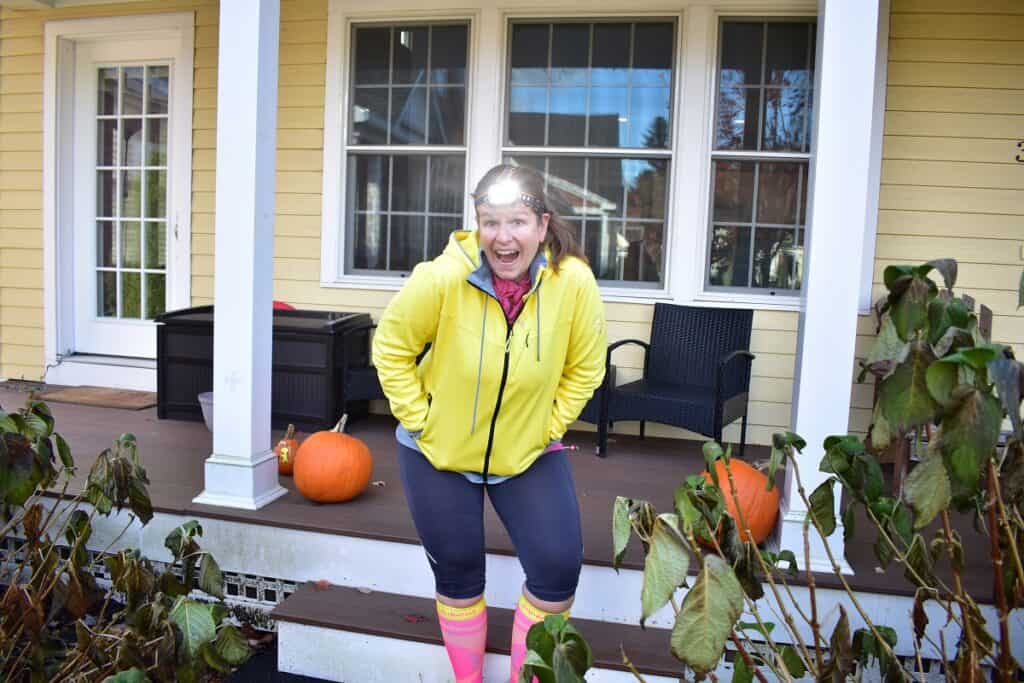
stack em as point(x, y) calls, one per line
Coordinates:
point(359, 383)
point(696, 375)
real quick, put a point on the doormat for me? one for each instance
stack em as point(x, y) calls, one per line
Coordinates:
point(102, 397)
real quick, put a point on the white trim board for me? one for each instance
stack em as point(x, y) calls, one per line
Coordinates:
point(60, 39)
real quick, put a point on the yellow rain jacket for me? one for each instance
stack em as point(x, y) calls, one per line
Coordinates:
point(489, 397)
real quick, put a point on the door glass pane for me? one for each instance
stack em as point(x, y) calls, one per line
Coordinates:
point(131, 295)
point(106, 142)
point(156, 245)
point(131, 142)
point(105, 244)
point(131, 244)
point(156, 89)
point(156, 142)
point(132, 90)
point(106, 293)
point(107, 102)
point(156, 294)
point(106, 191)
point(131, 193)
point(156, 194)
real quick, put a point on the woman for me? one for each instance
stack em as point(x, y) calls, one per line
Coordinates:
point(517, 341)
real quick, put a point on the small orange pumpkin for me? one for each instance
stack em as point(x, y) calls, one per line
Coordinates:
point(285, 451)
point(331, 467)
point(760, 507)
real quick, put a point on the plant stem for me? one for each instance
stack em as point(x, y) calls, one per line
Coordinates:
point(1011, 539)
point(812, 590)
point(754, 668)
point(836, 569)
point(1005, 659)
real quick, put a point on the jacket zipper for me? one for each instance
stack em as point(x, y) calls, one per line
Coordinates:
point(497, 404)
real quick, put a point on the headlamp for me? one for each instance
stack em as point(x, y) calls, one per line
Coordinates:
point(505, 192)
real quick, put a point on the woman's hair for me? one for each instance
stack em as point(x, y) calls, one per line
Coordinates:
point(560, 238)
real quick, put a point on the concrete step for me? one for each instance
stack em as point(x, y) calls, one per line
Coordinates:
point(359, 636)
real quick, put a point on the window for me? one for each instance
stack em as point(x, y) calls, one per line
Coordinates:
point(405, 151)
point(760, 157)
point(589, 105)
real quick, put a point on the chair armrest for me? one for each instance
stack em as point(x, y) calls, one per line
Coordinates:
point(723, 364)
point(609, 369)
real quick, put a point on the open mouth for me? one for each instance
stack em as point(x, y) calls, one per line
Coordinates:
point(505, 256)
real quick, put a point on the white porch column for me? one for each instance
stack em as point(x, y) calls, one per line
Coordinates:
point(849, 43)
point(242, 471)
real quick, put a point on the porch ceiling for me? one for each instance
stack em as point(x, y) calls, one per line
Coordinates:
point(173, 453)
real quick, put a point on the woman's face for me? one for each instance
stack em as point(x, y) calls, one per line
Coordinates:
point(510, 236)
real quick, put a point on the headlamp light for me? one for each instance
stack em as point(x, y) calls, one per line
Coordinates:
point(505, 192)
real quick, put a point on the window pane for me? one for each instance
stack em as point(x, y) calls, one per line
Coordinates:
point(643, 259)
point(610, 60)
point(527, 116)
point(742, 44)
point(734, 191)
point(447, 184)
point(448, 54)
point(529, 53)
point(409, 185)
point(407, 242)
point(775, 260)
point(652, 54)
point(447, 114)
point(131, 295)
point(777, 193)
point(156, 295)
point(648, 125)
point(438, 233)
point(131, 193)
point(730, 256)
point(156, 89)
point(107, 102)
point(131, 96)
point(646, 193)
point(568, 123)
point(410, 54)
point(408, 116)
point(372, 55)
point(131, 142)
point(570, 51)
point(371, 241)
point(131, 244)
point(609, 116)
point(788, 55)
point(370, 116)
point(738, 118)
point(371, 182)
point(785, 118)
point(566, 185)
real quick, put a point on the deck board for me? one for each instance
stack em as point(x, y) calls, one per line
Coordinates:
point(173, 453)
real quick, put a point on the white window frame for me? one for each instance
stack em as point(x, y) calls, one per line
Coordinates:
point(688, 212)
point(59, 42)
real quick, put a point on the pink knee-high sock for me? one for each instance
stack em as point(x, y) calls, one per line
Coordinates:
point(526, 615)
point(464, 630)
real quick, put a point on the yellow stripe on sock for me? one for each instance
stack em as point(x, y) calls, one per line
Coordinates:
point(461, 613)
point(535, 613)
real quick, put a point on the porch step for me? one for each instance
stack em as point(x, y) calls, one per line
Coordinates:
point(354, 635)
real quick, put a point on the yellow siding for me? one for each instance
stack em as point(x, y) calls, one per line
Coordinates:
point(951, 186)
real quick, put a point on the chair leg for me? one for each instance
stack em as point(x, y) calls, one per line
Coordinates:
point(743, 434)
point(602, 424)
point(643, 423)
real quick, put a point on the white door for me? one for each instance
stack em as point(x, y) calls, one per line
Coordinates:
point(126, 153)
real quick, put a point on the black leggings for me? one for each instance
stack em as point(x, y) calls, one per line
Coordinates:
point(538, 508)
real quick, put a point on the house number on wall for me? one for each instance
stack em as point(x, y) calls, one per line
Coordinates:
point(1020, 157)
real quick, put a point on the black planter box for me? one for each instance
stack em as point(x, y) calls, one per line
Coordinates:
point(311, 350)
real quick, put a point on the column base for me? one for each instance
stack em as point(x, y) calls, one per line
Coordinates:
point(240, 482)
point(791, 537)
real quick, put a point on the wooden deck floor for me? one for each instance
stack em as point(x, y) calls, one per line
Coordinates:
point(173, 453)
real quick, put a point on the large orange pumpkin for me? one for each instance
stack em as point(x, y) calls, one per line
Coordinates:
point(760, 507)
point(331, 467)
point(285, 451)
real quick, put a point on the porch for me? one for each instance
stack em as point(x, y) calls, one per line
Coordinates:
point(370, 543)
